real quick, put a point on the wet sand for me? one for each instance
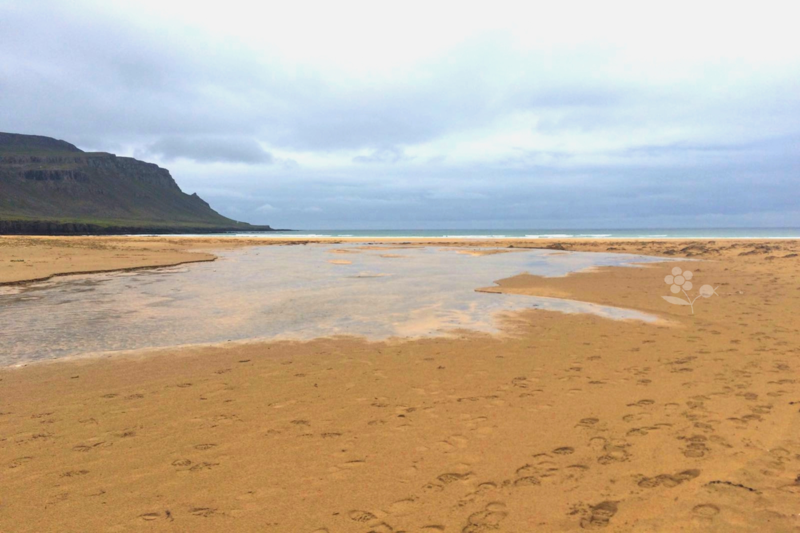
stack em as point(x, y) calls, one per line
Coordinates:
point(24, 259)
point(562, 423)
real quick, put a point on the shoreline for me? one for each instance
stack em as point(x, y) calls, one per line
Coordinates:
point(168, 251)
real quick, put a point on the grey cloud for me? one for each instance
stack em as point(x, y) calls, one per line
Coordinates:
point(774, 145)
point(689, 151)
point(635, 196)
point(684, 147)
point(154, 83)
point(210, 149)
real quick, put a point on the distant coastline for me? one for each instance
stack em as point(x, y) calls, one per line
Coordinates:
point(47, 227)
point(640, 233)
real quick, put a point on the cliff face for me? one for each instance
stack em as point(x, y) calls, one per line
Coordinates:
point(50, 186)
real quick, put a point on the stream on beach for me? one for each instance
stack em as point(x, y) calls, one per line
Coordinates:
point(283, 292)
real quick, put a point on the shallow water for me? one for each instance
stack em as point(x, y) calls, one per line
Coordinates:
point(281, 292)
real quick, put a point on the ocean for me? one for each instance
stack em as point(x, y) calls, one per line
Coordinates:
point(682, 233)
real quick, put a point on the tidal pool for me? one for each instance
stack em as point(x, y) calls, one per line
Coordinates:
point(282, 292)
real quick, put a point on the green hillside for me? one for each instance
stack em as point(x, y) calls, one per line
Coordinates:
point(48, 186)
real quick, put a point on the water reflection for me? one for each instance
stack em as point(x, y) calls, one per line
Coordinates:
point(281, 292)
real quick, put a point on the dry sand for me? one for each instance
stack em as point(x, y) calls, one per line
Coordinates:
point(566, 422)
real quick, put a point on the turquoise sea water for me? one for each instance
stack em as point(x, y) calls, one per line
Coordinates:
point(683, 233)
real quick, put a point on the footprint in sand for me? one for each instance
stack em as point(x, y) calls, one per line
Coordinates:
point(202, 466)
point(74, 473)
point(403, 507)
point(527, 481)
point(361, 517)
point(19, 461)
point(485, 487)
point(451, 477)
point(706, 426)
point(614, 453)
point(781, 454)
point(588, 422)
point(487, 520)
point(637, 417)
point(480, 492)
point(667, 480)
point(204, 512)
point(696, 447)
point(597, 443)
point(546, 469)
point(706, 510)
point(599, 515)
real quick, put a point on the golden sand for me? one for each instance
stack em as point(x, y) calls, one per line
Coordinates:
point(40, 258)
point(564, 423)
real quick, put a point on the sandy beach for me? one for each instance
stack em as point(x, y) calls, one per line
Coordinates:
point(562, 422)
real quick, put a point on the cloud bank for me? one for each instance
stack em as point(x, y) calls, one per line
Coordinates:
point(362, 115)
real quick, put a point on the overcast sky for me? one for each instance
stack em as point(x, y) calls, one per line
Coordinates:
point(428, 115)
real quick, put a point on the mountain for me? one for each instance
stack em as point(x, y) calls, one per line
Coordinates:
point(48, 186)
